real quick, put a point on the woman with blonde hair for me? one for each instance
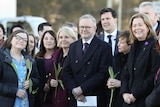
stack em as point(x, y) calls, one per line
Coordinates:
point(65, 37)
point(142, 64)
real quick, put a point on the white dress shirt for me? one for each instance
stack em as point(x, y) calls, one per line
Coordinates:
point(113, 38)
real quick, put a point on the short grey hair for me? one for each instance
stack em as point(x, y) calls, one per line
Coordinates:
point(148, 3)
point(86, 16)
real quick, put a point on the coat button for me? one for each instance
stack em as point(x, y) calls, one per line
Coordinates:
point(134, 69)
point(84, 76)
point(76, 61)
point(88, 63)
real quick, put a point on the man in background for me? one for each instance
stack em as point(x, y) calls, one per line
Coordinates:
point(149, 9)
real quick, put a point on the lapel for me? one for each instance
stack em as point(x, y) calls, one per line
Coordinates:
point(116, 45)
point(90, 51)
point(101, 37)
point(8, 60)
point(158, 27)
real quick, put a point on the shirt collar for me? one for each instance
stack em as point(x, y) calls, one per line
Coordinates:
point(89, 41)
point(155, 26)
point(114, 33)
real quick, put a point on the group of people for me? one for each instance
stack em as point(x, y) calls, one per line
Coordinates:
point(65, 67)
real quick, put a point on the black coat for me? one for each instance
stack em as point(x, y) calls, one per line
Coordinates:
point(89, 70)
point(101, 37)
point(153, 99)
point(44, 77)
point(9, 79)
point(140, 70)
point(120, 61)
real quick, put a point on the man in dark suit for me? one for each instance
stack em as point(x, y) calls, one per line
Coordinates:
point(149, 9)
point(109, 25)
point(85, 73)
point(110, 35)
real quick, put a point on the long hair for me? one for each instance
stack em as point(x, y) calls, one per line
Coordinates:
point(7, 44)
point(33, 51)
point(42, 48)
point(146, 21)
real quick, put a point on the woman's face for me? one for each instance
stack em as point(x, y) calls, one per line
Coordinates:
point(139, 29)
point(123, 47)
point(19, 41)
point(1, 33)
point(49, 41)
point(31, 43)
point(64, 40)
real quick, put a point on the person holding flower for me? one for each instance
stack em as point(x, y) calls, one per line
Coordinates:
point(118, 66)
point(18, 73)
point(65, 36)
point(142, 63)
point(85, 68)
point(44, 59)
point(152, 99)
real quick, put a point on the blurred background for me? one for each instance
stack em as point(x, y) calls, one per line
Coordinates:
point(57, 12)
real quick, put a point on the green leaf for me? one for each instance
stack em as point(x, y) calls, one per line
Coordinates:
point(61, 84)
point(111, 72)
point(14, 67)
point(28, 66)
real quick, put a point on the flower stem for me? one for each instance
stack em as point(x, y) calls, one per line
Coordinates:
point(111, 98)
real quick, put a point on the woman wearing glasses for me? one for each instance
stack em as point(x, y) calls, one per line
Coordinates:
point(18, 74)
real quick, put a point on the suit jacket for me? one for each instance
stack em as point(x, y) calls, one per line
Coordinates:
point(158, 27)
point(138, 77)
point(153, 99)
point(89, 70)
point(9, 80)
point(101, 37)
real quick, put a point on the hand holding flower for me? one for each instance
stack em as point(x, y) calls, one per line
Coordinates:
point(113, 83)
point(53, 83)
point(46, 88)
point(26, 84)
point(21, 93)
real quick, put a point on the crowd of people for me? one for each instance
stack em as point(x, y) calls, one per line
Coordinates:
point(63, 68)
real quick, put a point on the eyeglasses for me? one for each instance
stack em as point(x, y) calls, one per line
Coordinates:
point(85, 27)
point(20, 38)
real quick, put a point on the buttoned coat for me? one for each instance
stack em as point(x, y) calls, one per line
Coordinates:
point(9, 79)
point(89, 70)
point(138, 77)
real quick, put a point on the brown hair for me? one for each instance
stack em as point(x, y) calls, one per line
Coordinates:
point(7, 44)
point(42, 48)
point(33, 51)
point(125, 34)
